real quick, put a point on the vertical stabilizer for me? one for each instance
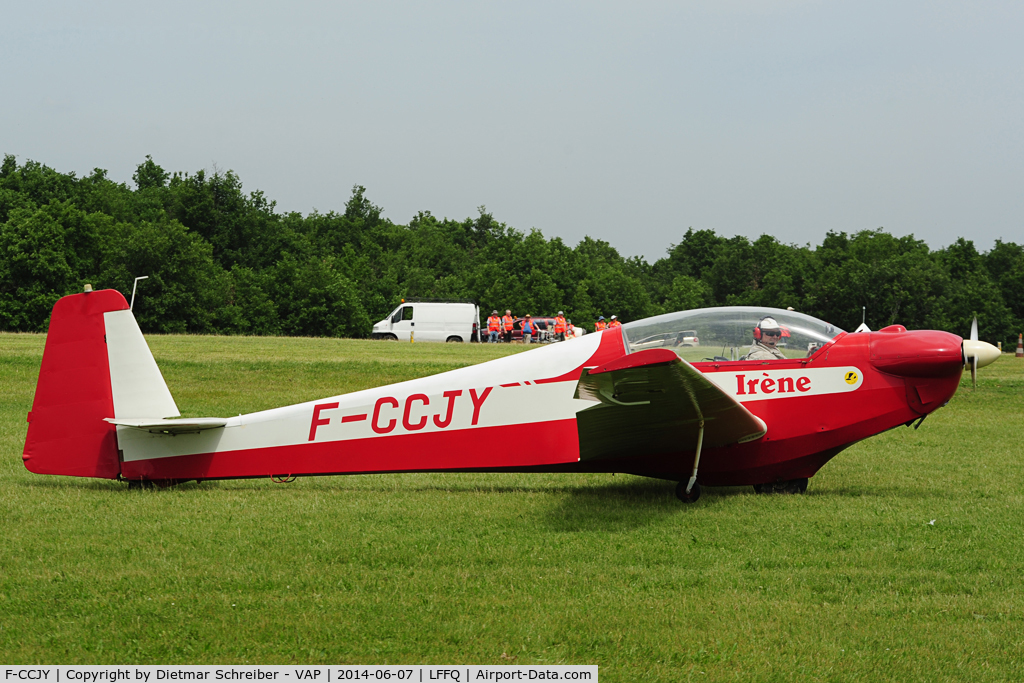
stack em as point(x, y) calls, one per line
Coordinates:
point(138, 388)
point(66, 432)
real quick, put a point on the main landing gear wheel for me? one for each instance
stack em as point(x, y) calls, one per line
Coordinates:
point(791, 486)
point(690, 497)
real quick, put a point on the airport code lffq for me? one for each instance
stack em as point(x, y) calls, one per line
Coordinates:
point(149, 673)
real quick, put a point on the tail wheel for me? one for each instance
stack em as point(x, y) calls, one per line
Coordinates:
point(687, 497)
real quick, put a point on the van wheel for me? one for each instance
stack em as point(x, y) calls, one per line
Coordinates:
point(389, 337)
point(453, 338)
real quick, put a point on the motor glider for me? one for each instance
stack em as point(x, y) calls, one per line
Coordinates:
point(633, 399)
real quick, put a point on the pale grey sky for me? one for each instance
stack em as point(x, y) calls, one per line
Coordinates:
point(626, 121)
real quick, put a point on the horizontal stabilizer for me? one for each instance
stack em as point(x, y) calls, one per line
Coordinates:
point(158, 426)
point(652, 402)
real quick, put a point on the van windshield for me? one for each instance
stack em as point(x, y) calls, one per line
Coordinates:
point(402, 313)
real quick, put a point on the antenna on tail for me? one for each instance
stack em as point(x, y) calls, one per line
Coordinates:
point(131, 306)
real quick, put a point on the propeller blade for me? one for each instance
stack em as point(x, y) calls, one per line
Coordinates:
point(974, 329)
point(974, 371)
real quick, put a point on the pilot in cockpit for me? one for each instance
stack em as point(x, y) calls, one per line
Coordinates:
point(766, 340)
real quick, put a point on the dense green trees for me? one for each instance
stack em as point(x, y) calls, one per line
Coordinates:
point(223, 260)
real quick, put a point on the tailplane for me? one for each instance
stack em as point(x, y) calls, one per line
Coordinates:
point(96, 366)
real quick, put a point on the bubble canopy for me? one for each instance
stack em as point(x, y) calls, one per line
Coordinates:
point(726, 333)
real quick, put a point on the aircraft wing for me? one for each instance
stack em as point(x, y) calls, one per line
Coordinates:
point(652, 402)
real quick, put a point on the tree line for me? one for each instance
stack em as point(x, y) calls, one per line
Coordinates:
point(224, 261)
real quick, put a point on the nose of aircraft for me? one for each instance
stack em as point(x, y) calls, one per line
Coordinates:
point(983, 351)
point(977, 354)
point(928, 353)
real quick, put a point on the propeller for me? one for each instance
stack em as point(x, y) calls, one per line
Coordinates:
point(974, 358)
point(976, 353)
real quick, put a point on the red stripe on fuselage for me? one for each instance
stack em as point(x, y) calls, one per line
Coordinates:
point(525, 445)
point(610, 348)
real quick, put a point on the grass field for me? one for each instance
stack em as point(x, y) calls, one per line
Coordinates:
point(848, 582)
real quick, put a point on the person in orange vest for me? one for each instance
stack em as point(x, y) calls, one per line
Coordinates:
point(560, 326)
point(493, 325)
point(600, 324)
point(614, 322)
point(506, 323)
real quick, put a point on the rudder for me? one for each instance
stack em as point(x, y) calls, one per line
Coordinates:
point(66, 432)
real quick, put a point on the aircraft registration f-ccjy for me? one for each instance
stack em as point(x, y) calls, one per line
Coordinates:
point(633, 399)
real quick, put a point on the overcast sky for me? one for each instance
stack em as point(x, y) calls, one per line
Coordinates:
point(628, 122)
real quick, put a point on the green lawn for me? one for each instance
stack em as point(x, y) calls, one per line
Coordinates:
point(848, 582)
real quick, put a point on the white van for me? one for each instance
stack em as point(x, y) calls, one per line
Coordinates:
point(430, 321)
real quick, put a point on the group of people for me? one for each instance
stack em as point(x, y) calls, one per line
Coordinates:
point(500, 327)
point(602, 325)
point(503, 326)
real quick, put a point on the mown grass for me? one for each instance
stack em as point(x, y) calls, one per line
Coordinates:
point(848, 582)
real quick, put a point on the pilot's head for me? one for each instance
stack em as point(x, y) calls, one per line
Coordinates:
point(768, 332)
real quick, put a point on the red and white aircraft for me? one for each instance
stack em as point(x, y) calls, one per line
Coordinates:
point(623, 400)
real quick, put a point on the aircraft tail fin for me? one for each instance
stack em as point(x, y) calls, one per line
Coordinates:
point(96, 365)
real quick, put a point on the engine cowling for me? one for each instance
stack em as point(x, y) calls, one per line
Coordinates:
point(921, 353)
